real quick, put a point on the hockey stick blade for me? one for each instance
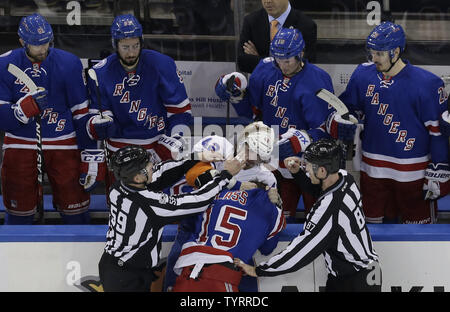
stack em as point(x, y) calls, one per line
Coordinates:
point(334, 101)
point(342, 110)
point(18, 73)
point(93, 76)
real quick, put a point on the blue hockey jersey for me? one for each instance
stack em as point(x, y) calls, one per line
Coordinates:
point(287, 102)
point(145, 103)
point(401, 129)
point(64, 123)
point(239, 223)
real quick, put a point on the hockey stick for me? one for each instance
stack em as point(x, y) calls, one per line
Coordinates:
point(93, 75)
point(230, 83)
point(446, 80)
point(18, 73)
point(342, 110)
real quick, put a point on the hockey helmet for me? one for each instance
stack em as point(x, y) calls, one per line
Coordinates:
point(324, 153)
point(213, 148)
point(125, 26)
point(129, 161)
point(288, 42)
point(259, 138)
point(35, 30)
point(386, 37)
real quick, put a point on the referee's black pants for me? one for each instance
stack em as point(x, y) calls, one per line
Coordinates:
point(357, 282)
point(120, 278)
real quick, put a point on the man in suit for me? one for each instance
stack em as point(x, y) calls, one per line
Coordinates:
point(256, 32)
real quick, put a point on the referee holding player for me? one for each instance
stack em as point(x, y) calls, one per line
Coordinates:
point(139, 211)
point(335, 226)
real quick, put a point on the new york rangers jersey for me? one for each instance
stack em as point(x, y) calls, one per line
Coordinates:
point(238, 222)
point(63, 124)
point(401, 129)
point(287, 102)
point(145, 103)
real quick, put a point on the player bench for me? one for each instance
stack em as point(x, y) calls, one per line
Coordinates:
point(98, 208)
point(443, 210)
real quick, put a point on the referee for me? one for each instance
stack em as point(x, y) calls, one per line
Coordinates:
point(139, 211)
point(335, 226)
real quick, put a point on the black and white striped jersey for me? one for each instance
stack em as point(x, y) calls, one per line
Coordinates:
point(336, 227)
point(137, 216)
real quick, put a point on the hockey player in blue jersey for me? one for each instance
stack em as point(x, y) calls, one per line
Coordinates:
point(404, 156)
point(62, 102)
point(142, 95)
point(227, 230)
point(282, 92)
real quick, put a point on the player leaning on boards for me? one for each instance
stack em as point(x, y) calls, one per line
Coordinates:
point(282, 92)
point(405, 165)
point(335, 226)
point(63, 107)
point(139, 211)
point(142, 95)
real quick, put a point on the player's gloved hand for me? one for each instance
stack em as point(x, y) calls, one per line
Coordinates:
point(231, 87)
point(293, 142)
point(341, 129)
point(436, 175)
point(213, 148)
point(31, 105)
point(93, 168)
point(174, 147)
point(101, 128)
point(444, 123)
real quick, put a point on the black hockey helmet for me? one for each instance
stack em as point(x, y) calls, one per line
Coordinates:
point(324, 153)
point(128, 161)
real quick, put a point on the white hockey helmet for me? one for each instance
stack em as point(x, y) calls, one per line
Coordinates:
point(260, 139)
point(213, 148)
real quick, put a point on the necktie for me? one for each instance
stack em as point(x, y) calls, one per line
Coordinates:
point(273, 29)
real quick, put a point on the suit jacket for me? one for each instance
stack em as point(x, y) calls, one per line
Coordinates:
point(256, 28)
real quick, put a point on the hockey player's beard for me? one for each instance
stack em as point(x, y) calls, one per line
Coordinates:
point(37, 58)
point(129, 63)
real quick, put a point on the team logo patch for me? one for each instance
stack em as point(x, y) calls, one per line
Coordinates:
point(164, 199)
point(133, 80)
point(385, 83)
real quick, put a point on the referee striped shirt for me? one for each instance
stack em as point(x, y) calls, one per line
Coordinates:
point(336, 228)
point(137, 216)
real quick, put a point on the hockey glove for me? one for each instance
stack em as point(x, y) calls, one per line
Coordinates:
point(174, 147)
point(31, 105)
point(293, 142)
point(444, 123)
point(231, 87)
point(341, 129)
point(100, 128)
point(436, 176)
point(93, 168)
